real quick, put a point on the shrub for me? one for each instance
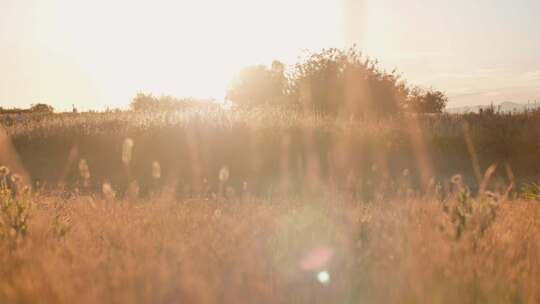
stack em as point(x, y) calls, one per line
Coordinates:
point(426, 101)
point(41, 108)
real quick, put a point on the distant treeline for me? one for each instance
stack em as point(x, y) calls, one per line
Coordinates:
point(332, 82)
point(35, 108)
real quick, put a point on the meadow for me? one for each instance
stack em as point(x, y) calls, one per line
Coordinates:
point(222, 206)
point(267, 147)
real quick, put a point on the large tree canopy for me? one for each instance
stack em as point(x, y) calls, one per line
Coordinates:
point(343, 82)
point(334, 82)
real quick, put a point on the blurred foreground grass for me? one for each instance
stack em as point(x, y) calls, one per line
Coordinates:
point(327, 249)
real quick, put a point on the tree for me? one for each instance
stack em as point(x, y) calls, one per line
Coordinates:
point(333, 82)
point(41, 108)
point(343, 82)
point(426, 100)
point(144, 102)
point(259, 86)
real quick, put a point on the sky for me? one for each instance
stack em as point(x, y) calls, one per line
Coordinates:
point(100, 53)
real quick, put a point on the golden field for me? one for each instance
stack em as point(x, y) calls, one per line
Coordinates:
point(162, 250)
point(237, 207)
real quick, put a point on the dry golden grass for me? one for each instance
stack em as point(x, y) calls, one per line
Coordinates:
point(162, 250)
point(258, 146)
point(238, 207)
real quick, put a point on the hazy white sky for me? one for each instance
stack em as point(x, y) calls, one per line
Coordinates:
point(101, 53)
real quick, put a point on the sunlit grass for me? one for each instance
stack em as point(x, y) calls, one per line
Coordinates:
point(223, 206)
point(92, 250)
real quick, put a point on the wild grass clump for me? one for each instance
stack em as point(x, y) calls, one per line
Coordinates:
point(531, 191)
point(15, 208)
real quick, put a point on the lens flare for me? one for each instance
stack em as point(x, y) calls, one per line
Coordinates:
point(317, 259)
point(323, 277)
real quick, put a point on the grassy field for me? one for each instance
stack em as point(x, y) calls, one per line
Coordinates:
point(264, 148)
point(327, 249)
point(262, 207)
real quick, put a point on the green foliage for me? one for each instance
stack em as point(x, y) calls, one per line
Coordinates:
point(531, 191)
point(14, 214)
point(460, 210)
point(470, 215)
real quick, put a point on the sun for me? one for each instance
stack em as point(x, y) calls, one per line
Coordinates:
point(100, 53)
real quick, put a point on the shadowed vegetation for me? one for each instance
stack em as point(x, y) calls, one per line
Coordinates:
point(271, 150)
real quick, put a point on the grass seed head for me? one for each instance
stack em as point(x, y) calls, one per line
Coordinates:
point(156, 170)
point(457, 180)
point(133, 190)
point(224, 174)
point(127, 148)
point(26, 189)
point(4, 171)
point(16, 179)
point(108, 191)
point(83, 169)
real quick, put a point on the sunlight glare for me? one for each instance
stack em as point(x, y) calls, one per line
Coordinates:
point(181, 48)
